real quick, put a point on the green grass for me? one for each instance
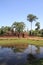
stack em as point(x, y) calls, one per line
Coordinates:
point(13, 41)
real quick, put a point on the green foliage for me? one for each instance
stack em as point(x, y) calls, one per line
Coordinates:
point(1, 32)
point(38, 25)
point(4, 30)
point(30, 32)
point(41, 31)
point(38, 33)
point(7, 28)
point(18, 26)
point(31, 18)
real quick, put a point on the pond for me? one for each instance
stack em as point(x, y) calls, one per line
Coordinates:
point(20, 56)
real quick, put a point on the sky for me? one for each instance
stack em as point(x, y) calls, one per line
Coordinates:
point(17, 10)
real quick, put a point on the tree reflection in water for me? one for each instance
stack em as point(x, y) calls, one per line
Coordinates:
point(31, 58)
point(18, 49)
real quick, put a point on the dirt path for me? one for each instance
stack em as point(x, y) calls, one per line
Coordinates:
point(36, 38)
point(30, 37)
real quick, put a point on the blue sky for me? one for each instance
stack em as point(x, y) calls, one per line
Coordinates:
point(17, 10)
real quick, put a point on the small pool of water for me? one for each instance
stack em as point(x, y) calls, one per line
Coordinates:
point(17, 56)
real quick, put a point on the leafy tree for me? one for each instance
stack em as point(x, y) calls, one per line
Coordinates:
point(31, 18)
point(7, 28)
point(18, 26)
point(41, 31)
point(2, 30)
point(38, 25)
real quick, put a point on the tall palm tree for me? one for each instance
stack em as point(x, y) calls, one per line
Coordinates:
point(31, 18)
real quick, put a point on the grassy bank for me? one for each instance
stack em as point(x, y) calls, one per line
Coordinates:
point(19, 41)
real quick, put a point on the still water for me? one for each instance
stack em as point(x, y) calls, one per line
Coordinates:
point(17, 56)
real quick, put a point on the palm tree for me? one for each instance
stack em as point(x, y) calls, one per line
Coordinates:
point(31, 18)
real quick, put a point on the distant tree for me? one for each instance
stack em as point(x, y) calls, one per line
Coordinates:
point(2, 30)
point(41, 31)
point(18, 26)
point(38, 25)
point(31, 18)
point(7, 28)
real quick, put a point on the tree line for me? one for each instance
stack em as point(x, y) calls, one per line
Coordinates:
point(17, 28)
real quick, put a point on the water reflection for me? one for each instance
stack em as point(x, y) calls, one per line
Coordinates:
point(17, 50)
point(31, 58)
point(31, 49)
point(19, 56)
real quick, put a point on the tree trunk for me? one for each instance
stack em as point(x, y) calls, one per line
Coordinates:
point(31, 28)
